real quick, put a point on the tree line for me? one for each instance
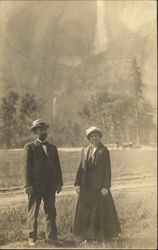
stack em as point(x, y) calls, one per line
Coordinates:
point(121, 118)
point(16, 115)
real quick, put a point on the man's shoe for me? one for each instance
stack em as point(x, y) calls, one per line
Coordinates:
point(51, 240)
point(83, 243)
point(31, 242)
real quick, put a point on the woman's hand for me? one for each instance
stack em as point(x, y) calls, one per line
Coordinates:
point(59, 188)
point(29, 190)
point(104, 191)
point(77, 189)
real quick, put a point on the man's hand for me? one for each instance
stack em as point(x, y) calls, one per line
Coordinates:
point(77, 189)
point(104, 191)
point(29, 190)
point(59, 188)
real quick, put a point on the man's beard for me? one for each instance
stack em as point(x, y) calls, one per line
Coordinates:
point(43, 137)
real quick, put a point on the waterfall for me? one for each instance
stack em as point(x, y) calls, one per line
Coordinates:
point(100, 37)
point(54, 107)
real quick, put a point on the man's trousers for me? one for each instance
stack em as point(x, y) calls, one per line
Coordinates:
point(34, 201)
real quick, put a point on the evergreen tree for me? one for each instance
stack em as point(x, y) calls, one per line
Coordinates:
point(16, 115)
point(8, 119)
point(143, 110)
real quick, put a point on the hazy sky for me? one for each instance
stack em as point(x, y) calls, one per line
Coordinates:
point(146, 10)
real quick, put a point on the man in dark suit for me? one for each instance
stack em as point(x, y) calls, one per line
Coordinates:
point(43, 178)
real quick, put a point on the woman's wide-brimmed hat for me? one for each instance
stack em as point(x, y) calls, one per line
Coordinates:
point(93, 129)
point(38, 123)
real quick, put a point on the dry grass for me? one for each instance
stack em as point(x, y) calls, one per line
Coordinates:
point(136, 211)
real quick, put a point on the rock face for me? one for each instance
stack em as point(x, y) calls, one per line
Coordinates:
point(55, 49)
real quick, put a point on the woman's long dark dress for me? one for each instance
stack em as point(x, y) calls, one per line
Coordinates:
point(96, 216)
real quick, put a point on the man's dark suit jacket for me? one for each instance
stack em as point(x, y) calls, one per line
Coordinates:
point(41, 170)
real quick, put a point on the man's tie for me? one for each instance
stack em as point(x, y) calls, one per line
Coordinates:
point(91, 153)
point(44, 143)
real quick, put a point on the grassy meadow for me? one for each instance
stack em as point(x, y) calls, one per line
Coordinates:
point(136, 210)
point(124, 163)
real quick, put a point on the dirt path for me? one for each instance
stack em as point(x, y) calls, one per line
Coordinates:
point(143, 185)
point(12, 198)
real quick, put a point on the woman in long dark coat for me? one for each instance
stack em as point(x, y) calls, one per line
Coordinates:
point(96, 217)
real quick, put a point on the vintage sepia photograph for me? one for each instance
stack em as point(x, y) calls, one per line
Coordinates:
point(78, 124)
